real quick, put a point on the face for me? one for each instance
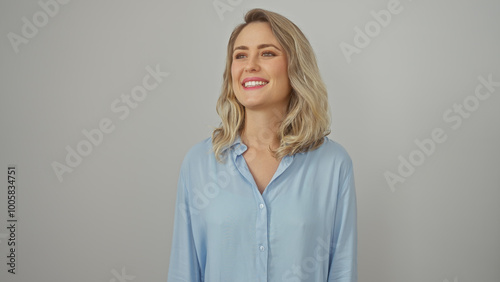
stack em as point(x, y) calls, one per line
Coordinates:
point(259, 69)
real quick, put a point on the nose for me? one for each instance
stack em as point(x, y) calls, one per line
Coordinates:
point(252, 64)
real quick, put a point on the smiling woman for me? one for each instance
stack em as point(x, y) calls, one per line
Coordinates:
point(268, 197)
point(252, 55)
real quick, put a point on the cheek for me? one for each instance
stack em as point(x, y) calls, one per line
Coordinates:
point(281, 71)
point(233, 69)
point(279, 68)
point(235, 76)
point(234, 73)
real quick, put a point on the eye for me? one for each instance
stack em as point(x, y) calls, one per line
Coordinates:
point(239, 56)
point(268, 54)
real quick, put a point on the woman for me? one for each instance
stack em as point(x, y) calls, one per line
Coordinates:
point(268, 197)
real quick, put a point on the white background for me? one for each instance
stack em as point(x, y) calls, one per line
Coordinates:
point(111, 218)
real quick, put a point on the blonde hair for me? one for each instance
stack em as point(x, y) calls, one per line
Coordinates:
point(307, 119)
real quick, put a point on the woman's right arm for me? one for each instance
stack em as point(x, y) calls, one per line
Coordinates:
point(184, 264)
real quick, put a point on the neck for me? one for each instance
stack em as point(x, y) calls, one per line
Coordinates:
point(261, 128)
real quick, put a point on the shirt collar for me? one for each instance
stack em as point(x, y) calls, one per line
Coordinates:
point(238, 147)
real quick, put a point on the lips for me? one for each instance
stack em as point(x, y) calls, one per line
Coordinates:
point(254, 82)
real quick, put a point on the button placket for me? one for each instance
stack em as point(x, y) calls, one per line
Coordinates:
point(261, 235)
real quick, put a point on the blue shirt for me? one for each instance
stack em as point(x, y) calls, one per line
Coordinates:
point(301, 228)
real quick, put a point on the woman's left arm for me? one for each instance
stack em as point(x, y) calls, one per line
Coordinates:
point(343, 267)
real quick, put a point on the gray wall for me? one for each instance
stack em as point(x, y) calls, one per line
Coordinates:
point(409, 103)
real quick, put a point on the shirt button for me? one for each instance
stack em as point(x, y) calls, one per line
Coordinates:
point(261, 248)
point(261, 206)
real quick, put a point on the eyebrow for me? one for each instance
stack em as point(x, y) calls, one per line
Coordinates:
point(261, 46)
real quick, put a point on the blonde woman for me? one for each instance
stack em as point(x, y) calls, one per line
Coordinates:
point(268, 197)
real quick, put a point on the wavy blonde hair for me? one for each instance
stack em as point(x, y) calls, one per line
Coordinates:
point(307, 119)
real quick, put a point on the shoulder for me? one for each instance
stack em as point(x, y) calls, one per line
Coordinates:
point(199, 153)
point(331, 150)
point(330, 158)
point(333, 159)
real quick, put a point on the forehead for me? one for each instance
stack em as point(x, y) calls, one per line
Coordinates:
point(256, 33)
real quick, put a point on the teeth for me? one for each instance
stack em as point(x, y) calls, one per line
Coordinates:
point(254, 83)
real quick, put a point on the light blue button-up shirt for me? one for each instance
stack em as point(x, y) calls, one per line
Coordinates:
point(301, 228)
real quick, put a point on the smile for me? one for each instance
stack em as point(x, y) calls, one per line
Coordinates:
point(254, 82)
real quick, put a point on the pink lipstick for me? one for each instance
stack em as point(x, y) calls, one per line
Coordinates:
point(252, 83)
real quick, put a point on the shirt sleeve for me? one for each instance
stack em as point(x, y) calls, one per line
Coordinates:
point(184, 264)
point(343, 266)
